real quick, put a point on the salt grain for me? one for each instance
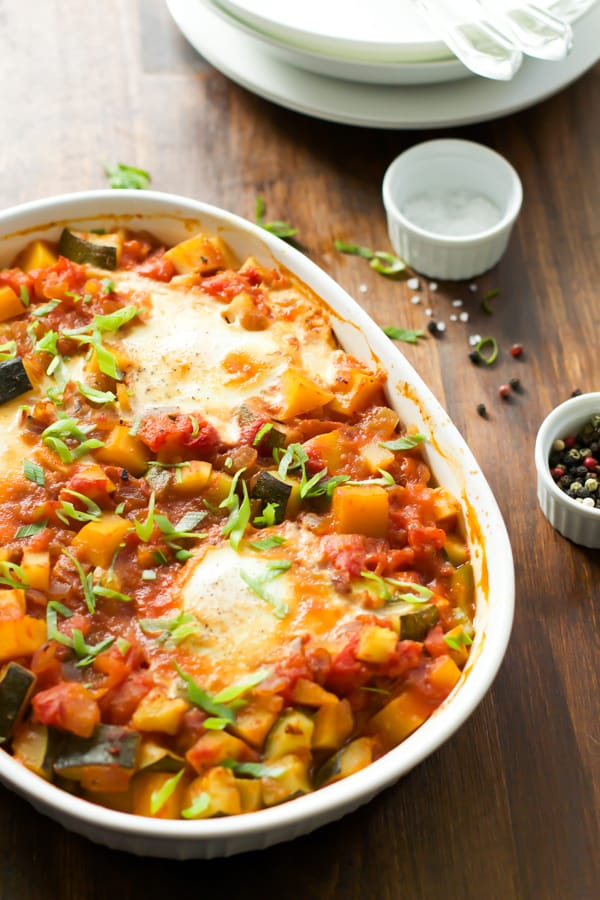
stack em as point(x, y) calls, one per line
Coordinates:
point(473, 287)
point(413, 284)
point(453, 317)
point(474, 339)
point(464, 317)
point(428, 311)
point(363, 288)
point(452, 212)
point(415, 300)
point(441, 326)
point(457, 303)
point(433, 285)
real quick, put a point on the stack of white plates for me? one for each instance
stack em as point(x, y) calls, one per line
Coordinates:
point(374, 63)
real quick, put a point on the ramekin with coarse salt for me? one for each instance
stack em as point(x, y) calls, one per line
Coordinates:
point(572, 518)
point(451, 206)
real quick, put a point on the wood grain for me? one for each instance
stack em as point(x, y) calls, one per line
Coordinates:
point(509, 807)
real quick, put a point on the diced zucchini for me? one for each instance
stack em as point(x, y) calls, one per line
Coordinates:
point(462, 588)
point(271, 489)
point(292, 781)
point(16, 686)
point(399, 718)
point(357, 755)
point(84, 247)
point(215, 746)
point(36, 746)
point(153, 757)
point(456, 549)
point(334, 723)
point(105, 761)
point(254, 721)
point(415, 625)
point(14, 379)
point(212, 794)
point(291, 733)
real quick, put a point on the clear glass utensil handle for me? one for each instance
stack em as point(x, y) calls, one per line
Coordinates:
point(533, 30)
point(475, 41)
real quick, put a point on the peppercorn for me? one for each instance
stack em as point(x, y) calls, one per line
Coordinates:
point(516, 350)
point(481, 410)
point(475, 357)
point(590, 463)
point(577, 392)
point(515, 384)
point(573, 464)
point(504, 391)
point(433, 327)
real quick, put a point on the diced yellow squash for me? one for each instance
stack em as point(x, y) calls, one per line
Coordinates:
point(214, 746)
point(291, 782)
point(376, 644)
point(329, 448)
point(36, 568)
point(157, 712)
point(10, 303)
point(217, 487)
point(146, 787)
point(12, 603)
point(376, 457)
point(300, 394)
point(98, 540)
point(191, 479)
point(124, 449)
point(446, 509)
point(36, 255)
point(359, 391)
point(213, 794)
point(356, 756)
point(399, 718)
point(443, 674)
point(21, 637)
point(30, 745)
point(250, 791)
point(291, 733)
point(103, 778)
point(309, 693)
point(360, 509)
point(462, 588)
point(244, 312)
point(456, 549)
point(459, 656)
point(123, 397)
point(254, 721)
point(121, 801)
point(200, 254)
point(333, 725)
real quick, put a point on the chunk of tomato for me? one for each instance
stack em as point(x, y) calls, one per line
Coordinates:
point(68, 706)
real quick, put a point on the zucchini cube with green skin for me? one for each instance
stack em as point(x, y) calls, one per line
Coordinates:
point(36, 747)
point(414, 626)
point(101, 250)
point(291, 733)
point(111, 746)
point(357, 755)
point(16, 686)
point(271, 489)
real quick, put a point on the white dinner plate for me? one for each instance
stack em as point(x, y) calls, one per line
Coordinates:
point(242, 58)
point(380, 30)
point(366, 71)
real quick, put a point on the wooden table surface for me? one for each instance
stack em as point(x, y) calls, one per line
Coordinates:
point(508, 808)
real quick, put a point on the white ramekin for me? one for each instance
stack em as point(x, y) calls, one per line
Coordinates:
point(450, 165)
point(579, 523)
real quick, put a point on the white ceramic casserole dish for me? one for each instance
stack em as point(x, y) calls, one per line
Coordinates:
point(172, 218)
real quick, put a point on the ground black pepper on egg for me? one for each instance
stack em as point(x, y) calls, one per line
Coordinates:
point(574, 462)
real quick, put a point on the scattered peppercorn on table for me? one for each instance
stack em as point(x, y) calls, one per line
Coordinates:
point(509, 801)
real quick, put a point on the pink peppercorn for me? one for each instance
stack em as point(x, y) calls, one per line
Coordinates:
point(590, 463)
point(557, 472)
point(516, 349)
point(504, 391)
point(569, 442)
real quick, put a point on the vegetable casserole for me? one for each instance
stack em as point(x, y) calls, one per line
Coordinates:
point(226, 576)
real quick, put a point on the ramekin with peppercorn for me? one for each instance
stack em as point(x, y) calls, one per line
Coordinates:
point(567, 459)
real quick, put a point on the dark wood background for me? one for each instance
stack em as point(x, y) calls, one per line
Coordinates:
point(508, 808)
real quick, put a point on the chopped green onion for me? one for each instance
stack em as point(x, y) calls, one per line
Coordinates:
point(457, 641)
point(268, 543)
point(122, 176)
point(95, 396)
point(281, 229)
point(491, 357)
point(33, 528)
point(199, 806)
point(387, 263)
point(233, 691)
point(408, 335)
point(41, 311)
point(12, 575)
point(33, 472)
point(406, 442)
point(485, 303)
point(24, 295)
point(203, 699)
point(159, 797)
point(8, 350)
